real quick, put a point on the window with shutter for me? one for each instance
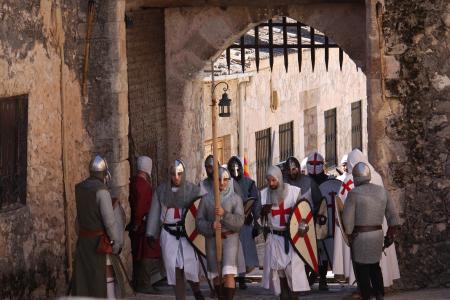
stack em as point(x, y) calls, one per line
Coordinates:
point(13, 151)
point(330, 138)
point(263, 153)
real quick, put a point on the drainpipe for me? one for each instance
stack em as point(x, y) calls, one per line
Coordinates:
point(242, 84)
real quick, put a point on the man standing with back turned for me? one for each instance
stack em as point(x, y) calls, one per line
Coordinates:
point(364, 210)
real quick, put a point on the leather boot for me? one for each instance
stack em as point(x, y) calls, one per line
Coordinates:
point(195, 287)
point(285, 291)
point(180, 286)
point(242, 284)
point(218, 290)
point(228, 293)
point(323, 286)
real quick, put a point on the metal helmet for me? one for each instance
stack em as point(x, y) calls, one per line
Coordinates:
point(315, 163)
point(292, 166)
point(178, 169)
point(361, 173)
point(235, 167)
point(99, 168)
point(209, 162)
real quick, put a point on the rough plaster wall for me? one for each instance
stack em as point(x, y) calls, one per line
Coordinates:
point(195, 35)
point(310, 129)
point(147, 95)
point(32, 238)
point(417, 71)
point(298, 92)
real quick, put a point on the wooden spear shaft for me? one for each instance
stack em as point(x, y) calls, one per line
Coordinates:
point(216, 175)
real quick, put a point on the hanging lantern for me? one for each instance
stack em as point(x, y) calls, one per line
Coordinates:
point(224, 106)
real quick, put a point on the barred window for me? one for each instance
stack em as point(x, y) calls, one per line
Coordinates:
point(286, 138)
point(356, 126)
point(13, 151)
point(330, 138)
point(263, 156)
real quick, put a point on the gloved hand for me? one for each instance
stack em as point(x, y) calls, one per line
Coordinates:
point(249, 219)
point(266, 209)
point(256, 231)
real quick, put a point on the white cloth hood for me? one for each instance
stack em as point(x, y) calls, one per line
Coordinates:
point(144, 163)
point(357, 156)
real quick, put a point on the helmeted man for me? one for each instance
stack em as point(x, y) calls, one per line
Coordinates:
point(315, 166)
point(310, 191)
point(284, 270)
point(207, 184)
point(364, 210)
point(169, 202)
point(146, 257)
point(388, 262)
point(232, 218)
point(248, 258)
point(97, 271)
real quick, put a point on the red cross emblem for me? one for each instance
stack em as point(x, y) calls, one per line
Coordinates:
point(297, 236)
point(315, 162)
point(346, 187)
point(194, 233)
point(282, 213)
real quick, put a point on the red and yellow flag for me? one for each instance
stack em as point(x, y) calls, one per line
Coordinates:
point(246, 171)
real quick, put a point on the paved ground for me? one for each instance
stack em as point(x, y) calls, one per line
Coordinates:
point(336, 292)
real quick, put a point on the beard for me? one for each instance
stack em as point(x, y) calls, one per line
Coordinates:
point(278, 194)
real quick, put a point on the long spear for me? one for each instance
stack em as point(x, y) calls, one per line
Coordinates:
point(216, 175)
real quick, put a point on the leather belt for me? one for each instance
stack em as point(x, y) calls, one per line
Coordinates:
point(367, 228)
point(279, 232)
point(225, 234)
point(285, 235)
point(175, 229)
point(90, 233)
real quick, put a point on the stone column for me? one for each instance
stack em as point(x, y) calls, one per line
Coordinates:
point(107, 104)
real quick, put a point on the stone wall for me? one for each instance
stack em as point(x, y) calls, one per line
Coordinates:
point(33, 255)
point(417, 91)
point(32, 238)
point(303, 98)
point(147, 95)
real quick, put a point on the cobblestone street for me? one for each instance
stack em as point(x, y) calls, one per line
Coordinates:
point(255, 291)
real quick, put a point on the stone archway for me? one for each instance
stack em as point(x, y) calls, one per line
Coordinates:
point(195, 35)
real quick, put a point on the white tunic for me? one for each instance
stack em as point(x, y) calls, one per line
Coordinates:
point(177, 253)
point(342, 263)
point(276, 260)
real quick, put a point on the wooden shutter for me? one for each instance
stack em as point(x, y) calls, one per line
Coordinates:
point(13, 151)
point(330, 138)
point(263, 152)
point(286, 134)
point(356, 126)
